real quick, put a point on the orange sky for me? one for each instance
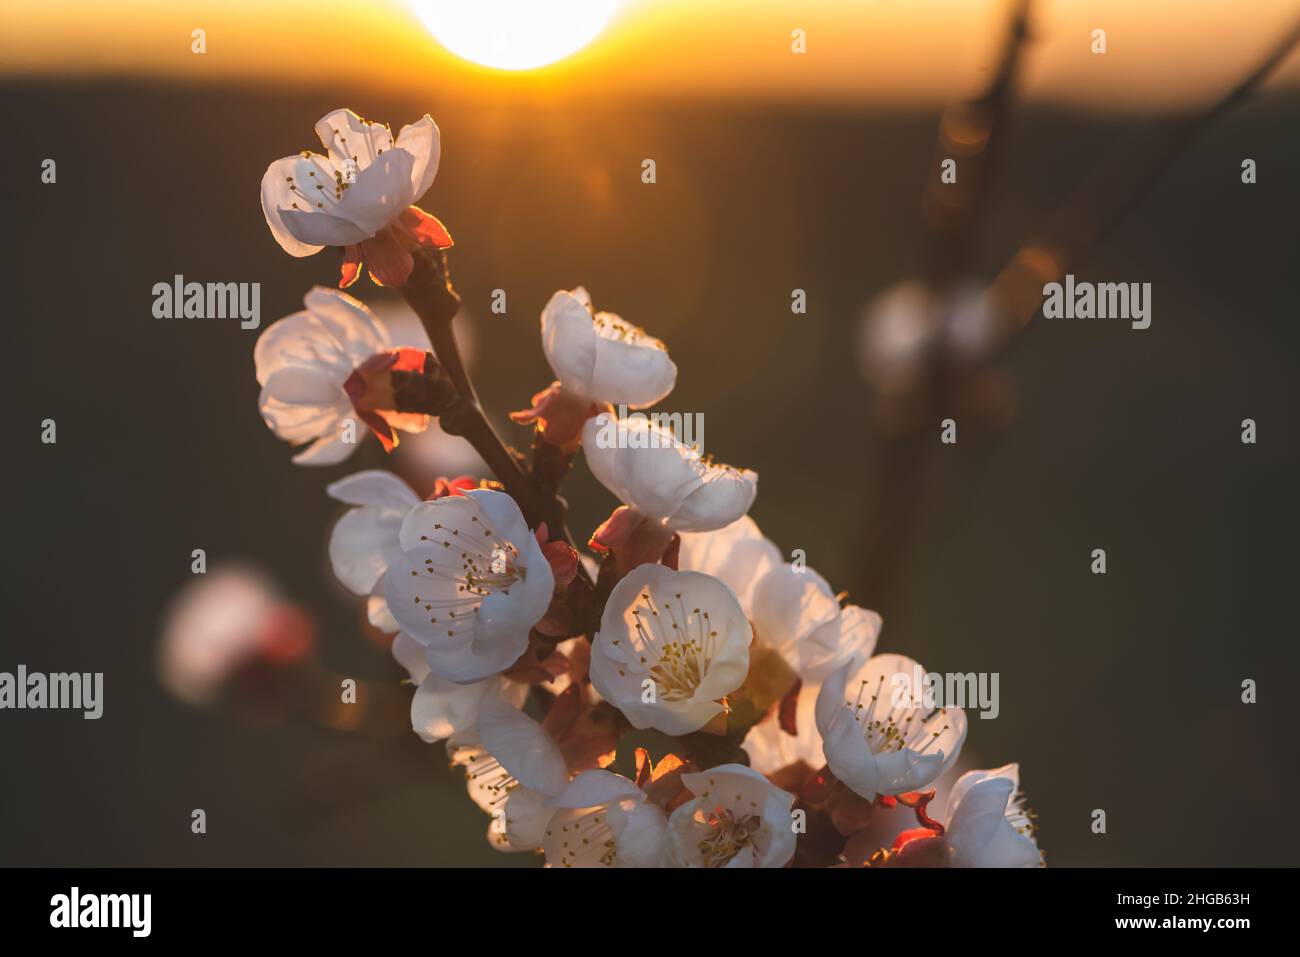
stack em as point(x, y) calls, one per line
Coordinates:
point(1160, 52)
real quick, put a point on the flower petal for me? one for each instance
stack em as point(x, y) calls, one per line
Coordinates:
point(374, 487)
point(379, 193)
point(409, 653)
point(738, 554)
point(423, 141)
point(636, 373)
point(724, 495)
point(442, 708)
point(569, 341)
point(362, 544)
point(318, 228)
point(378, 615)
point(523, 747)
point(278, 196)
point(354, 327)
point(348, 137)
point(330, 450)
point(299, 340)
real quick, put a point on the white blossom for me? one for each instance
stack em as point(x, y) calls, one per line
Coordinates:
point(737, 818)
point(303, 361)
point(511, 767)
point(878, 733)
point(988, 823)
point(792, 608)
point(661, 478)
point(469, 583)
point(358, 195)
point(602, 819)
point(671, 646)
point(600, 358)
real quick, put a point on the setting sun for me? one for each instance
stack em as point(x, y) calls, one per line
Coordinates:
point(514, 34)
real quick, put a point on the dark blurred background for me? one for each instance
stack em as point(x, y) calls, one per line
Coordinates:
point(1119, 692)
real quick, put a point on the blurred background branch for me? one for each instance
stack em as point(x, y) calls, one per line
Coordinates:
point(908, 429)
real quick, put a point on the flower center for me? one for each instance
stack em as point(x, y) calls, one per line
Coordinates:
point(679, 670)
point(729, 834)
point(320, 181)
point(612, 327)
point(478, 561)
point(889, 727)
point(317, 183)
point(681, 640)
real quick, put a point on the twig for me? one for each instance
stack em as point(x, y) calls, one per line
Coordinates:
point(446, 390)
point(429, 292)
point(973, 132)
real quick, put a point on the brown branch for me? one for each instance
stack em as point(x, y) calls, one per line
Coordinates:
point(1076, 228)
point(432, 392)
point(973, 133)
point(429, 292)
point(446, 390)
point(550, 463)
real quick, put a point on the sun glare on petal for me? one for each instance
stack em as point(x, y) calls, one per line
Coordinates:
point(514, 34)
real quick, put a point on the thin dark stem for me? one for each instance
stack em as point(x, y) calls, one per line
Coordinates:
point(972, 133)
point(429, 292)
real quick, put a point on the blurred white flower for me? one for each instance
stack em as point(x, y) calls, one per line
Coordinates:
point(904, 326)
point(988, 824)
point(600, 358)
point(975, 322)
point(220, 621)
point(878, 735)
point(358, 196)
point(469, 583)
point(737, 819)
point(307, 361)
point(896, 333)
point(662, 479)
point(671, 646)
point(602, 819)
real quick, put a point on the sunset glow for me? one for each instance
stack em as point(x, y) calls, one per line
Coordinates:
point(878, 52)
point(514, 34)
